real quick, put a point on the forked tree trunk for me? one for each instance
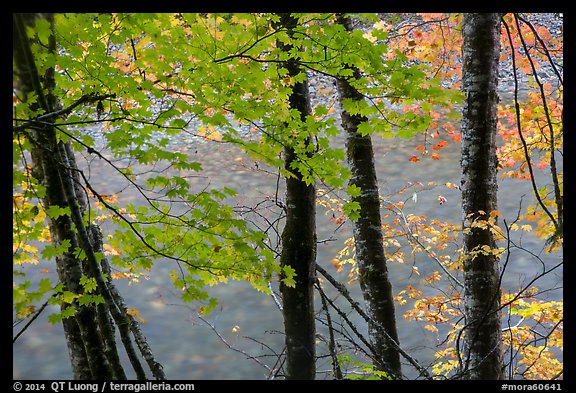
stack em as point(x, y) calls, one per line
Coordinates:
point(82, 337)
point(482, 357)
point(298, 242)
point(90, 333)
point(370, 256)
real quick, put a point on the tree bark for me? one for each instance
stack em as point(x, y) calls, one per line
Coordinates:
point(45, 170)
point(90, 333)
point(370, 256)
point(298, 241)
point(482, 334)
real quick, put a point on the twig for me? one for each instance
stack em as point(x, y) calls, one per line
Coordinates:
point(415, 239)
point(331, 343)
point(363, 314)
point(232, 347)
point(36, 315)
point(49, 116)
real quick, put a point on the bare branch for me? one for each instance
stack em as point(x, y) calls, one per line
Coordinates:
point(363, 314)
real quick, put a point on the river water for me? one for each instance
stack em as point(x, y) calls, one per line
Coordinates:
point(247, 320)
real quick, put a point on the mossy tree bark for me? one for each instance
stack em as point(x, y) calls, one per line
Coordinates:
point(370, 257)
point(482, 335)
point(90, 332)
point(298, 240)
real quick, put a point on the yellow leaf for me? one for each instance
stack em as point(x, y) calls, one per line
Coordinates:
point(432, 328)
point(214, 136)
point(136, 314)
point(434, 277)
point(369, 37)
point(110, 250)
point(119, 275)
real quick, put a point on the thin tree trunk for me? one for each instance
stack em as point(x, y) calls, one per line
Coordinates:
point(298, 242)
point(370, 256)
point(482, 335)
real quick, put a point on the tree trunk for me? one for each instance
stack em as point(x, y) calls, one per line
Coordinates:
point(370, 257)
point(46, 170)
point(90, 333)
point(482, 334)
point(298, 242)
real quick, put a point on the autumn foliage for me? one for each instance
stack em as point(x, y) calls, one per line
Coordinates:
point(207, 76)
point(533, 343)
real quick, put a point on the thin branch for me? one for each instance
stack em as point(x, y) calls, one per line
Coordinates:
point(331, 344)
point(242, 53)
point(557, 193)
point(522, 139)
point(544, 48)
point(416, 240)
point(87, 98)
point(366, 317)
point(350, 324)
point(36, 315)
point(213, 328)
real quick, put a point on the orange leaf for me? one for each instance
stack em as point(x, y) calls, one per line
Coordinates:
point(420, 147)
point(449, 127)
point(439, 145)
point(414, 159)
point(452, 185)
point(113, 198)
point(455, 135)
point(336, 263)
point(435, 156)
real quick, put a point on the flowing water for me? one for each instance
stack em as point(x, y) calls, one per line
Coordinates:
point(193, 348)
